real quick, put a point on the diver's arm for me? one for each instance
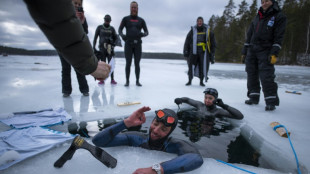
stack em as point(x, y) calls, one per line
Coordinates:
point(95, 37)
point(188, 158)
point(191, 102)
point(120, 29)
point(146, 31)
point(183, 163)
point(228, 112)
point(110, 136)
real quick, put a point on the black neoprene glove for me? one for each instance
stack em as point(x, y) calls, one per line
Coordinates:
point(178, 101)
point(220, 103)
point(274, 51)
point(243, 53)
point(142, 34)
point(212, 59)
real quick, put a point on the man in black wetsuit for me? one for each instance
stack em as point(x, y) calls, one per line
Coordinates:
point(107, 41)
point(162, 126)
point(208, 108)
point(133, 43)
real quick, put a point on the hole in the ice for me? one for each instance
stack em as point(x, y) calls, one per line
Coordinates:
point(215, 138)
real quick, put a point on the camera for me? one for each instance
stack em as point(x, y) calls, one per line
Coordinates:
point(80, 9)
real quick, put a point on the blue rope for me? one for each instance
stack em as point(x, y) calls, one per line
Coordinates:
point(235, 167)
point(288, 136)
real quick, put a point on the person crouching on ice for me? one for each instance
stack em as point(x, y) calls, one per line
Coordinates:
point(163, 124)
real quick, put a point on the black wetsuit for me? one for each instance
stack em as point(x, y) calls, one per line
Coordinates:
point(213, 111)
point(107, 35)
point(188, 157)
point(133, 42)
point(66, 73)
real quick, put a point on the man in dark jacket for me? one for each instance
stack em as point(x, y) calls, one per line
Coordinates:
point(260, 52)
point(58, 28)
point(107, 41)
point(199, 49)
point(133, 43)
point(208, 108)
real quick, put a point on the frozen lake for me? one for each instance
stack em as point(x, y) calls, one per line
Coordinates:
point(34, 83)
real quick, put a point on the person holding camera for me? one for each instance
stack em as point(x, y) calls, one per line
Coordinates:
point(107, 41)
point(65, 32)
point(66, 67)
point(209, 109)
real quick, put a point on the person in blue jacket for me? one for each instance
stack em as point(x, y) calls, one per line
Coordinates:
point(158, 138)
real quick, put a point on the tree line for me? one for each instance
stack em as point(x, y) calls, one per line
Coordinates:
point(4, 50)
point(230, 30)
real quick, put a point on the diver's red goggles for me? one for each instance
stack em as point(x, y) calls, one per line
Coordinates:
point(165, 118)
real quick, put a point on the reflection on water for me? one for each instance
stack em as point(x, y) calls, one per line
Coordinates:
point(206, 133)
point(100, 98)
point(195, 125)
point(69, 104)
point(240, 151)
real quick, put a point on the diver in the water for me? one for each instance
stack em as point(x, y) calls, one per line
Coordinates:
point(208, 108)
point(158, 138)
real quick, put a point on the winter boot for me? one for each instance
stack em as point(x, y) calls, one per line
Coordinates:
point(189, 82)
point(201, 83)
point(101, 82)
point(270, 108)
point(252, 100)
point(66, 95)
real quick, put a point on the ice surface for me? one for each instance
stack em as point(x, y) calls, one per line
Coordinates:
point(34, 83)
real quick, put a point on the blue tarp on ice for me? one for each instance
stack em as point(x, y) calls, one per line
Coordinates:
point(47, 117)
point(31, 137)
point(30, 141)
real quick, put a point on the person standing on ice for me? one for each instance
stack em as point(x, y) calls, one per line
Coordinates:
point(65, 32)
point(199, 50)
point(133, 43)
point(260, 52)
point(66, 67)
point(107, 42)
point(208, 108)
point(163, 124)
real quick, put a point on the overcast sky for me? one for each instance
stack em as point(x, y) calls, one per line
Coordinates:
point(168, 21)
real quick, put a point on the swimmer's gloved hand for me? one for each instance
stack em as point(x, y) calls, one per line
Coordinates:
point(178, 101)
point(220, 103)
